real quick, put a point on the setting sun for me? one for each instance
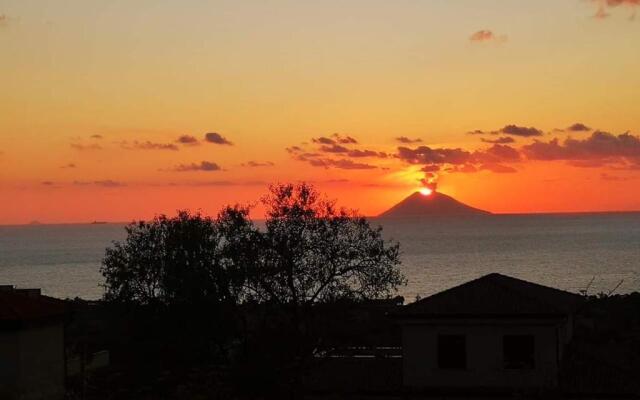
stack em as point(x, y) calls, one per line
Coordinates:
point(426, 191)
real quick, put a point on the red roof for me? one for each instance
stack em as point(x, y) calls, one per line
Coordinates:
point(20, 305)
point(495, 295)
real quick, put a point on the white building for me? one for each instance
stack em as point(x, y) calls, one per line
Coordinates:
point(32, 365)
point(492, 333)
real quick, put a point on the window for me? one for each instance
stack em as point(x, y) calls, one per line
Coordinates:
point(519, 351)
point(452, 352)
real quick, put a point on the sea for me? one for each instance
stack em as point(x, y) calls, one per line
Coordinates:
point(596, 253)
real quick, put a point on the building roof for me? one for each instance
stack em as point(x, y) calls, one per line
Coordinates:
point(495, 295)
point(28, 305)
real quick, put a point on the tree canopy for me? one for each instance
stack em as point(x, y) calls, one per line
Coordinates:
point(309, 252)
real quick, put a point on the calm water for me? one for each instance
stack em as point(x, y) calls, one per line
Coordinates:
point(564, 251)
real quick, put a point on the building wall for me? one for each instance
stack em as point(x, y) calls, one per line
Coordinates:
point(8, 363)
point(484, 343)
point(35, 360)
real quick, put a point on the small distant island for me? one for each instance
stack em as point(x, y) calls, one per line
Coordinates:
point(431, 203)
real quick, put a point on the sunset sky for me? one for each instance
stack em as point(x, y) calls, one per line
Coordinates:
point(120, 109)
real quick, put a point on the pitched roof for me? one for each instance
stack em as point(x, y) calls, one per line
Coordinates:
point(495, 295)
point(18, 305)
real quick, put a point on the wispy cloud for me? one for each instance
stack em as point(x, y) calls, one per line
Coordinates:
point(512, 130)
point(500, 140)
point(106, 183)
point(4, 20)
point(84, 147)
point(486, 35)
point(603, 7)
point(148, 145)
point(257, 164)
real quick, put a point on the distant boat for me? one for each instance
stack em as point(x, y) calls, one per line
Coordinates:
point(35, 223)
point(99, 222)
point(431, 204)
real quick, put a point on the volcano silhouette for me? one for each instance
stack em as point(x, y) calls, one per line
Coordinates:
point(435, 204)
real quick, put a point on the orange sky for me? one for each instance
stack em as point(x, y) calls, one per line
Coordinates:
point(96, 96)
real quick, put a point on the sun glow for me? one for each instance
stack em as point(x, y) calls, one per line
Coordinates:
point(426, 191)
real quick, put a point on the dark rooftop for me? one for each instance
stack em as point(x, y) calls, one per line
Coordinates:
point(495, 295)
point(25, 305)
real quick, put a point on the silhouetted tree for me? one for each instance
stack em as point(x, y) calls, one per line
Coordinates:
point(174, 261)
point(183, 277)
point(313, 253)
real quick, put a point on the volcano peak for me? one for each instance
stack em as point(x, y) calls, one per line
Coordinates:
point(433, 204)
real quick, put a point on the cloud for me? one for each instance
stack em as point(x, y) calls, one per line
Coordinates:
point(188, 140)
point(222, 183)
point(70, 165)
point(516, 130)
point(430, 168)
point(615, 3)
point(497, 153)
point(406, 140)
point(512, 130)
point(337, 145)
point(601, 13)
point(348, 164)
point(323, 140)
point(202, 166)
point(602, 146)
point(4, 20)
point(294, 149)
point(83, 147)
point(606, 177)
point(334, 148)
point(355, 153)
point(257, 164)
point(316, 160)
point(336, 138)
point(456, 160)
point(500, 140)
point(485, 35)
point(107, 183)
point(345, 139)
point(47, 183)
point(366, 153)
point(464, 168)
point(216, 138)
point(578, 127)
point(147, 145)
point(428, 155)
point(604, 5)
point(481, 132)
